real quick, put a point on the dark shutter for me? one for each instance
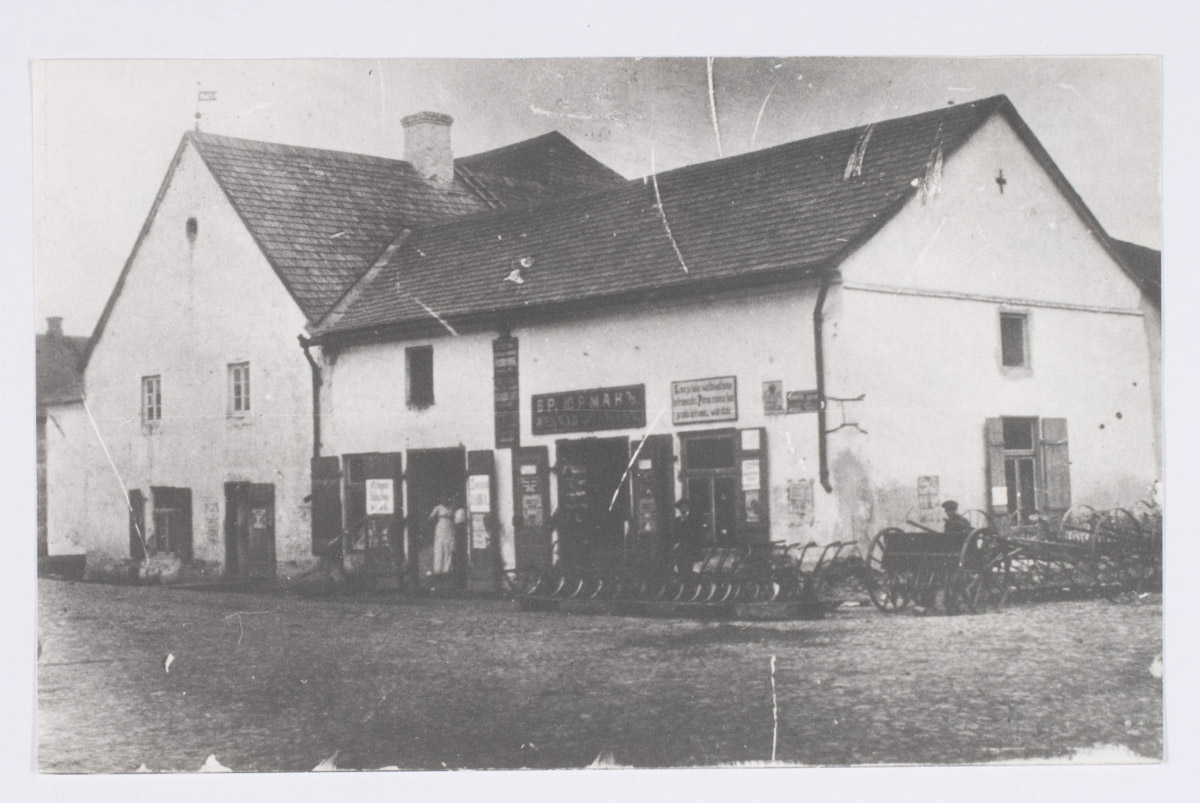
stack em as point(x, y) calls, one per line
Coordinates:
point(1056, 466)
point(997, 487)
point(531, 502)
point(137, 525)
point(326, 504)
point(754, 509)
point(182, 524)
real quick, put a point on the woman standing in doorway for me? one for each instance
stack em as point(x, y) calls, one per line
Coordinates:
point(443, 537)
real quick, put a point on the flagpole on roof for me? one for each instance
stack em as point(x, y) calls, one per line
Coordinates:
point(203, 95)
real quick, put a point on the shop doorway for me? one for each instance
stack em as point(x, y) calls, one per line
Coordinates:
point(249, 529)
point(590, 521)
point(710, 484)
point(433, 475)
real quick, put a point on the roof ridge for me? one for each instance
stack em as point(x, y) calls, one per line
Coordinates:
point(284, 149)
point(992, 100)
point(562, 205)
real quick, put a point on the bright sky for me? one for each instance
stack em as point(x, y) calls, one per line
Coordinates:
point(105, 131)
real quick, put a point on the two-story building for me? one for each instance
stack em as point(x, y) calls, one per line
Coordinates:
point(190, 449)
point(807, 342)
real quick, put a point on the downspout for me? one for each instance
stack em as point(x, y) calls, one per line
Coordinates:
point(306, 344)
point(819, 356)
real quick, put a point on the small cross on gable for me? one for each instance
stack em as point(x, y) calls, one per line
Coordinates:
point(1001, 181)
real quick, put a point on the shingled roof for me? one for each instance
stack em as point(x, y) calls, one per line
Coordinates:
point(322, 217)
point(793, 209)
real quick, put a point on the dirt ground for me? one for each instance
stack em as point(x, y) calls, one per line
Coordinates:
point(267, 682)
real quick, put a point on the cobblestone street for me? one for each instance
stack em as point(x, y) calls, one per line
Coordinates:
point(283, 683)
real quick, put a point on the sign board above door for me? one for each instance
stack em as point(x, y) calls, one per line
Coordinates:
point(589, 410)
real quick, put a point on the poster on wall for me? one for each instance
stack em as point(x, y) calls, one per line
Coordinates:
point(751, 475)
point(379, 498)
point(479, 493)
point(700, 401)
point(772, 397)
point(800, 503)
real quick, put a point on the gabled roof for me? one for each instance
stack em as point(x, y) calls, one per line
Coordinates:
point(322, 217)
point(788, 210)
point(57, 362)
point(1146, 266)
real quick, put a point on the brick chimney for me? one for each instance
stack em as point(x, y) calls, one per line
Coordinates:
point(54, 327)
point(427, 145)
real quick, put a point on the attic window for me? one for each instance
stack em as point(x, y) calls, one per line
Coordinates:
point(193, 227)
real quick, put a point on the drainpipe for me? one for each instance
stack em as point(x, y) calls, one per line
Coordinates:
point(306, 344)
point(819, 355)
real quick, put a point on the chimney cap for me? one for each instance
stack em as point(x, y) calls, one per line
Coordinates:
point(426, 117)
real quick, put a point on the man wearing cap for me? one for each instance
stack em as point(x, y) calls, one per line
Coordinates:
point(955, 524)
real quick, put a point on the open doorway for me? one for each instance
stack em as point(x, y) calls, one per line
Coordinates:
point(249, 529)
point(433, 475)
point(593, 502)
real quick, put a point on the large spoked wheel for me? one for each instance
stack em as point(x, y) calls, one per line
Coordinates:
point(982, 579)
point(888, 590)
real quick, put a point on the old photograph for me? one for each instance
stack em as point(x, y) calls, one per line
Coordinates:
point(530, 413)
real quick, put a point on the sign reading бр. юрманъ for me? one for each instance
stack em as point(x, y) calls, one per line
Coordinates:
point(589, 410)
point(698, 401)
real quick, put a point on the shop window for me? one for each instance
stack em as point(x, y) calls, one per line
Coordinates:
point(151, 398)
point(239, 388)
point(1014, 340)
point(419, 362)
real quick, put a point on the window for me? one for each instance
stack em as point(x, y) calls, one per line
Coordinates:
point(419, 360)
point(239, 388)
point(151, 398)
point(1029, 467)
point(1019, 466)
point(1014, 345)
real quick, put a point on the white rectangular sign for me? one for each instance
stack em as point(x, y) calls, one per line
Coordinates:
point(479, 493)
point(696, 401)
point(380, 499)
point(751, 479)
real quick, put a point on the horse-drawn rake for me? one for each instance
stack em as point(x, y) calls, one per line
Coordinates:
point(765, 572)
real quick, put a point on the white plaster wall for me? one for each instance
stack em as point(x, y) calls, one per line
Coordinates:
point(930, 366)
point(186, 312)
point(756, 337)
point(68, 478)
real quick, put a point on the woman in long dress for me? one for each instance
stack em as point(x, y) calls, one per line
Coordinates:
point(443, 538)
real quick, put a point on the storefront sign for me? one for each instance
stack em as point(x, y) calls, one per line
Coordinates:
point(803, 401)
point(479, 493)
point(699, 401)
point(506, 392)
point(379, 498)
point(590, 410)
